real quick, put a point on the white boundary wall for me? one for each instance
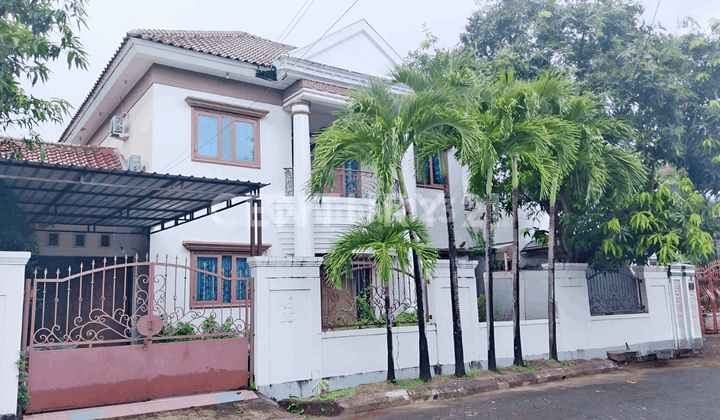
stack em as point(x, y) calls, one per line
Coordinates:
point(292, 352)
point(12, 288)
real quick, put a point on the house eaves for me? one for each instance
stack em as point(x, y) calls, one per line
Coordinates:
point(157, 46)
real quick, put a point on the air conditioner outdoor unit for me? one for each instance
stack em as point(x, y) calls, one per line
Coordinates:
point(120, 125)
point(134, 163)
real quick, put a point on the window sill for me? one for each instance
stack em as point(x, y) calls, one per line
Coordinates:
point(430, 187)
point(213, 305)
point(225, 162)
point(619, 316)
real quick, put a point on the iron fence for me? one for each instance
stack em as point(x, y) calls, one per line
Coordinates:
point(360, 301)
point(127, 301)
point(614, 291)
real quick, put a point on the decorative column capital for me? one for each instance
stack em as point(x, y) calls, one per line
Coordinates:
point(679, 270)
point(300, 107)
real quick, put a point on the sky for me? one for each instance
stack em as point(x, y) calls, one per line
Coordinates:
point(400, 22)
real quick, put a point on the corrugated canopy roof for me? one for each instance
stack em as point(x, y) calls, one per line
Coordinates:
point(60, 194)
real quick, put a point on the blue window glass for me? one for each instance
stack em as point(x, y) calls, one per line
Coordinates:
point(227, 272)
point(226, 136)
point(243, 272)
point(206, 287)
point(437, 171)
point(207, 136)
point(244, 141)
point(351, 179)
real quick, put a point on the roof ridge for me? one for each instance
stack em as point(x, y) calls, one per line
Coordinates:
point(54, 144)
point(199, 34)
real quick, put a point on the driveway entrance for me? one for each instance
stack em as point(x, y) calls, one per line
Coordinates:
point(131, 330)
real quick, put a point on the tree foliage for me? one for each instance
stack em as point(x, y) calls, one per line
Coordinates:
point(33, 33)
point(659, 90)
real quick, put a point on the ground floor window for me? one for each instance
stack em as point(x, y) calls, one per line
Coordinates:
point(219, 278)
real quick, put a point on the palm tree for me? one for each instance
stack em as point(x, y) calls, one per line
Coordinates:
point(387, 240)
point(522, 122)
point(451, 76)
point(592, 163)
point(376, 129)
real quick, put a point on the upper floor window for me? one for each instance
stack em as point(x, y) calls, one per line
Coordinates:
point(433, 174)
point(225, 133)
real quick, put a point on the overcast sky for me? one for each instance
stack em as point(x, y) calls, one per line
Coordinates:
point(398, 21)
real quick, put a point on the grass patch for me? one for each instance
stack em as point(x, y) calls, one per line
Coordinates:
point(408, 383)
point(330, 396)
point(472, 373)
point(524, 368)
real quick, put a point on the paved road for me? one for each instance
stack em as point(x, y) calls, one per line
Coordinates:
point(678, 390)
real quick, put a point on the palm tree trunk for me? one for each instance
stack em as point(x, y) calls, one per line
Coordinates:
point(489, 309)
point(388, 325)
point(425, 374)
point(564, 237)
point(552, 328)
point(517, 344)
point(454, 299)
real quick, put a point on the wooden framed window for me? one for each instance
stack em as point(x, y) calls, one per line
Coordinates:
point(225, 133)
point(433, 174)
point(219, 279)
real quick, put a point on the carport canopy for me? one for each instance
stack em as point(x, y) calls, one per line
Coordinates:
point(71, 195)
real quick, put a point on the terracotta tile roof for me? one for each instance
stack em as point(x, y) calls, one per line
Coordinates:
point(73, 155)
point(235, 45)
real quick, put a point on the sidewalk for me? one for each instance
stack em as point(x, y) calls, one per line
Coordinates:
point(146, 407)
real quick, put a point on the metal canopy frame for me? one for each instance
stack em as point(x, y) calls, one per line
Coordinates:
point(71, 195)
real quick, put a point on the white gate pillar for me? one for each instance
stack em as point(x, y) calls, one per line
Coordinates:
point(287, 332)
point(12, 285)
point(301, 176)
point(682, 278)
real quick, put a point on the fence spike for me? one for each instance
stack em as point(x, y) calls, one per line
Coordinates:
point(147, 257)
point(176, 260)
point(93, 264)
point(136, 257)
point(157, 257)
point(104, 261)
point(115, 260)
point(166, 258)
point(81, 267)
point(70, 270)
point(126, 256)
point(35, 273)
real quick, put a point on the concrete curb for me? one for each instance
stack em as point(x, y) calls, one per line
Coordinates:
point(473, 386)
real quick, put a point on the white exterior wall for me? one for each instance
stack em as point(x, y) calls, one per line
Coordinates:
point(352, 357)
point(172, 135)
point(430, 204)
point(12, 288)
point(141, 131)
point(440, 308)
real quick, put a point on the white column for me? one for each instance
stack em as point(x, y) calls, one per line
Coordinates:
point(12, 273)
point(301, 176)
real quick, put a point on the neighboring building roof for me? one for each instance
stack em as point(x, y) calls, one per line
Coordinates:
point(73, 155)
point(235, 45)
